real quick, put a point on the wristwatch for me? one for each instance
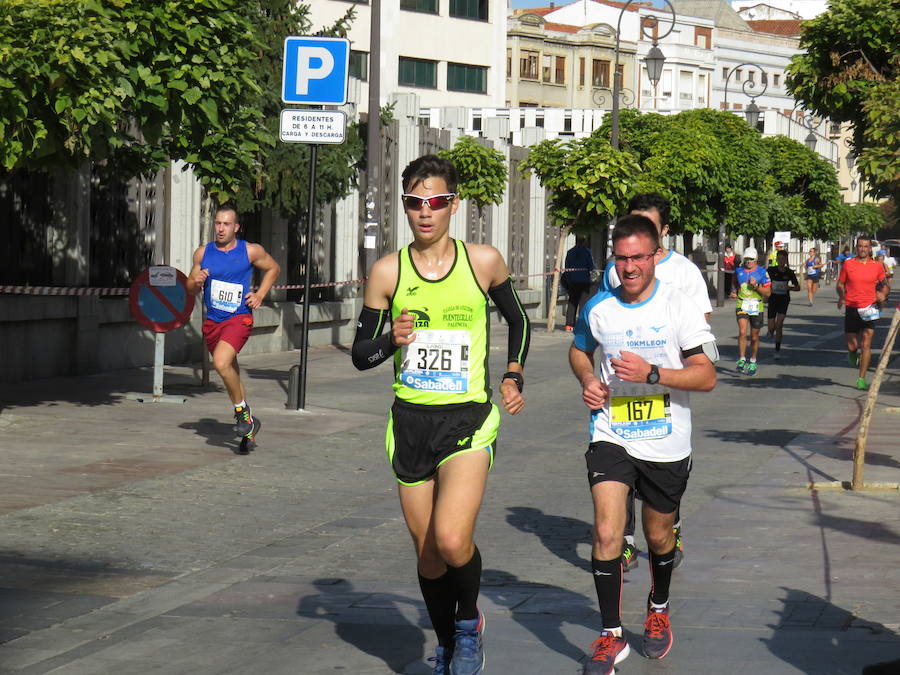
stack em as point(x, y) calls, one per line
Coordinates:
point(515, 377)
point(653, 375)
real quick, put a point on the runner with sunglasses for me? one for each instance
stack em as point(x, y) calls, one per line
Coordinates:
point(442, 429)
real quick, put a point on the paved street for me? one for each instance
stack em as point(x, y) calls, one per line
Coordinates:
point(135, 539)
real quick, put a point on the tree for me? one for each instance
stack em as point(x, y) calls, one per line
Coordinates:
point(808, 194)
point(481, 171)
point(848, 71)
point(132, 83)
point(589, 183)
point(137, 83)
point(710, 164)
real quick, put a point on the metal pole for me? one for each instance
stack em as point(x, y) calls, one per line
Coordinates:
point(373, 141)
point(307, 275)
point(614, 135)
point(720, 275)
point(159, 355)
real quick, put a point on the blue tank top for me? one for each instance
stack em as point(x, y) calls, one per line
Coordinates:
point(811, 271)
point(228, 282)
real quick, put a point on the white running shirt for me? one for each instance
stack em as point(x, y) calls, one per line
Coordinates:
point(650, 421)
point(674, 269)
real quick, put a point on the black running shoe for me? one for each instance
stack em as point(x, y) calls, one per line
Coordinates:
point(657, 633)
point(243, 420)
point(250, 438)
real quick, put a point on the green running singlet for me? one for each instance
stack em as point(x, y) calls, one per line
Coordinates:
point(447, 362)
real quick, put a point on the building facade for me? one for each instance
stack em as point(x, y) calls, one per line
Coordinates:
point(444, 51)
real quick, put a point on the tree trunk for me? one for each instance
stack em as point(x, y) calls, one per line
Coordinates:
point(859, 452)
point(554, 287)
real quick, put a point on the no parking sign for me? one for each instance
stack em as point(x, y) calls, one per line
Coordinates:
point(159, 299)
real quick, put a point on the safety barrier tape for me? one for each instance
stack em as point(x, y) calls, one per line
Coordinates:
point(83, 290)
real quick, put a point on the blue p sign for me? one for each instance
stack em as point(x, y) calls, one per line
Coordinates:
point(315, 70)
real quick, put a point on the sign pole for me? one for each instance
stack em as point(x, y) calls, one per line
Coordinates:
point(316, 72)
point(307, 274)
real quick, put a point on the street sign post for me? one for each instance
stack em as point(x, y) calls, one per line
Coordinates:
point(160, 302)
point(316, 72)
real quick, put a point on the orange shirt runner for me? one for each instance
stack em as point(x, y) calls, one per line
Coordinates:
point(860, 279)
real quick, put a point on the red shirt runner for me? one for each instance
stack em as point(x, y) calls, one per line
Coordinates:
point(859, 280)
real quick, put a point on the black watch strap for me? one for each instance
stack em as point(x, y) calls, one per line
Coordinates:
point(515, 377)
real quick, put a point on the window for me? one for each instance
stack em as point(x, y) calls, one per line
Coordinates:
point(462, 77)
point(581, 72)
point(776, 79)
point(737, 75)
point(649, 26)
point(600, 73)
point(546, 62)
point(725, 73)
point(469, 9)
point(509, 63)
point(430, 6)
point(751, 76)
point(528, 65)
point(359, 65)
point(702, 37)
point(560, 74)
point(418, 73)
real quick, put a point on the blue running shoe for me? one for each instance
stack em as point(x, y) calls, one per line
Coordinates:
point(739, 366)
point(441, 660)
point(468, 651)
point(657, 633)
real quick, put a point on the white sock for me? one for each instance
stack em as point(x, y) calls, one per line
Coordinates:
point(615, 631)
point(653, 605)
point(242, 404)
point(629, 539)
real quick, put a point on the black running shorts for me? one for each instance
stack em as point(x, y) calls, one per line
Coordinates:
point(659, 484)
point(756, 320)
point(421, 437)
point(778, 304)
point(853, 323)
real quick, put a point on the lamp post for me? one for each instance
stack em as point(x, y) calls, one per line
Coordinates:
point(654, 60)
point(752, 114)
point(600, 95)
point(748, 86)
point(810, 123)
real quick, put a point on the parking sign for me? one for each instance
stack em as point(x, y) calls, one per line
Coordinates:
point(316, 70)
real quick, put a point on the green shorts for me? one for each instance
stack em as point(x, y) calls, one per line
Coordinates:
point(420, 438)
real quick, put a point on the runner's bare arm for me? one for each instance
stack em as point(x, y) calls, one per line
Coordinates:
point(698, 373)
point(261, 260)
point(197, 277)
point(593, 392)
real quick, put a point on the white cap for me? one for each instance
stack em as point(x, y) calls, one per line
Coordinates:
point(750, 253)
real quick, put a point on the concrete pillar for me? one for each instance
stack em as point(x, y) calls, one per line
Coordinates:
point(69, 238)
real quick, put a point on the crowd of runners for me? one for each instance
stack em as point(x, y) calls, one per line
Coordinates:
point(641, 343)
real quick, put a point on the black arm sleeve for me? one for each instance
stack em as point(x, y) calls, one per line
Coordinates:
point(370, 347)
point(504, 296)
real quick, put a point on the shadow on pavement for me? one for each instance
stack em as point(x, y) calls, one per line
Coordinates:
point(217, 434)
point(393, 639)
point(815, 636)
point(560, 535)
point(542, 609)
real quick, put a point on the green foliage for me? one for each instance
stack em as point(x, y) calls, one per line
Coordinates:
point(849, 72)
point(481, 171)
point(589, 181)
point(809, 201)
point(864, 217)
point(132, 83)
point(281, 181)
point(135, 83)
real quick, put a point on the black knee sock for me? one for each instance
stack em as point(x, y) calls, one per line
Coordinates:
point(778, 346)
point(441, 603)
point(608, 582)
point(466, 581)
point(661, 576)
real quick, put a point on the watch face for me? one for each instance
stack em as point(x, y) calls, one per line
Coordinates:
point(653, 377)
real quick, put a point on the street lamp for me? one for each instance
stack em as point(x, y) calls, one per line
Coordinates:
point(625, 94)
point(752, 113)
point(654, 60)
point(810, 123)
point(748, 86)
